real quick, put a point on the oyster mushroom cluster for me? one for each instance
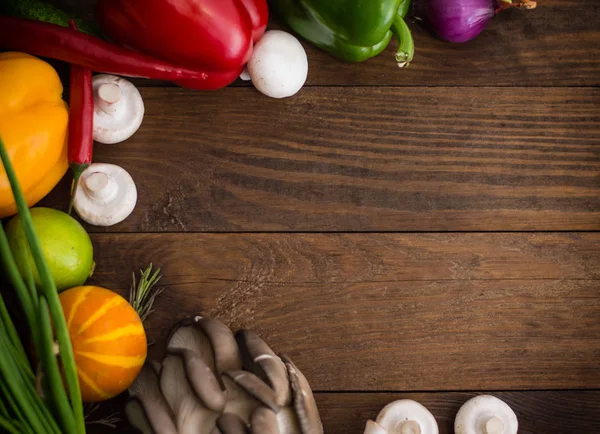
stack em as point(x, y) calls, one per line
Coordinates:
point(212, 382)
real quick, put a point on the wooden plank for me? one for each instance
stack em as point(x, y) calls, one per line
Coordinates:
point(564, 412)
point(363, 159)
point(387, 312)
point(554, 45)
point(538, 412)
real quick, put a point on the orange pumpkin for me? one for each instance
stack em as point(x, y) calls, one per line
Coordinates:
point(109, 341)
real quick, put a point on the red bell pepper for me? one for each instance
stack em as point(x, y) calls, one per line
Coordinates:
point(215, 35)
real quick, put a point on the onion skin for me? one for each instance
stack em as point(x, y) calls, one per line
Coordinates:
point(455, 20)
point(462, 20)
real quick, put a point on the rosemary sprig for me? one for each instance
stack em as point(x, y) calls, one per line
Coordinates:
point(143, 293)
point(110, 420)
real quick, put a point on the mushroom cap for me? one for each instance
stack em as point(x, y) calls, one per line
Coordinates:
point(137, 416)
point(186, 336)
point(126, 111)
point(304, 400)
point(195, 348)
point(264, 421)
point(145, 392)
point(202, 379)
point(374, 428)
point(191, 416)
point(106, 195)
point(406, 416)
point(278, 66)
point(486, 414)
point(226, 352)
point(231, 423)
point(239, 401)
point(255, 387)
point(260, 359)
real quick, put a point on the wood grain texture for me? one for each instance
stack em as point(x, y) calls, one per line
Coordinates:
point(538, 412)
point(363, 159)
point(553, 45)
point(387, 312)
point(456, 142)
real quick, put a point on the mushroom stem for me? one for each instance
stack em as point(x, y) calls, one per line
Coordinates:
point(109, 94)
point(494, 425)
point(101, 186)
point(407, 417)
point(245, 75)
point(374, 428)
point(410, 427)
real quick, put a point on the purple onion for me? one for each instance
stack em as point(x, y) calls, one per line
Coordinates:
point(461, 20)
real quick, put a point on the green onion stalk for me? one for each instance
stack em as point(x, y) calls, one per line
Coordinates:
point(44, 398)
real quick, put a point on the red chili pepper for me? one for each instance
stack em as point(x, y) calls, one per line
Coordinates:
point(81, 121)
point(215, 34)
point(68, 45)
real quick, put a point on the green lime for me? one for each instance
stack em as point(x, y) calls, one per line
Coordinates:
point(66, 245)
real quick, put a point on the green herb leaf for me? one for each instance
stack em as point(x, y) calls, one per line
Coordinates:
point(143, 294)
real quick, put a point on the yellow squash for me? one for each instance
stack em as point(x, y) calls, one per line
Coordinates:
point(109, 341)
point(33, 124)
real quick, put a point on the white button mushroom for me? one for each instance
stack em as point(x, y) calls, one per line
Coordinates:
point(375, 428)
point(245, 75)
point(279, 66)
point(486, 414)
point(106, 195)
point(118, 109)
point(403, 417)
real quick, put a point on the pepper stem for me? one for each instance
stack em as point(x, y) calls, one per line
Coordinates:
point(502, 5)
point(77, 171)
point(406, 45)
point(404, 8)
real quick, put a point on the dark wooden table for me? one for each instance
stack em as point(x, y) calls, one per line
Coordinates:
point(428, 233)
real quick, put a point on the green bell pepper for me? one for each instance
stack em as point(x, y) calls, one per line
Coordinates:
point(353, 30)
point(41, 10)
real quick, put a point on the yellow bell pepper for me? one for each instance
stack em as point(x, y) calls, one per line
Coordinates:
point(33, 125)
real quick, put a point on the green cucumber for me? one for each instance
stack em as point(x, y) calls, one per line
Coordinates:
point(42, 11)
